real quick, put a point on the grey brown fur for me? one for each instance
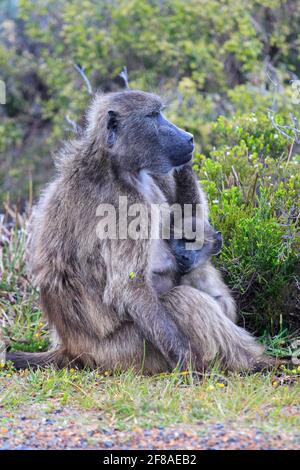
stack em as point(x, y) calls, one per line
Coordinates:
point(100, 315)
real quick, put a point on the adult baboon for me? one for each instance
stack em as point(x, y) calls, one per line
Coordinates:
point(102, 315)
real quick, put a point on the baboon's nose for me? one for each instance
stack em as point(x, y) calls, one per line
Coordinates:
point(190, 141)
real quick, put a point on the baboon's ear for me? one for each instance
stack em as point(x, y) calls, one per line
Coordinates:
point(112, 125)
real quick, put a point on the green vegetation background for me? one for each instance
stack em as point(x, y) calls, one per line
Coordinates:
point(221, 66)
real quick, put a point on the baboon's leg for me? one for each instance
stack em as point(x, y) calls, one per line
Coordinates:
point(200, 317)
point(119, 351)
point(207, 279)
point(210, 331)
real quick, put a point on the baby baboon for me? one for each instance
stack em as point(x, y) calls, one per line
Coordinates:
point(176, 260)
point(204, 277)
point(97, 293)
point(176, 265)
point(188, 259)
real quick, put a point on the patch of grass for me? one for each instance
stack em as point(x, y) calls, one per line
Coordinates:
point(280, 345)
point(20, 314)
point(128, 400)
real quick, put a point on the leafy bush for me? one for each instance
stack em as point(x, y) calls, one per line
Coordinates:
point(253, 189)
point(207, 58)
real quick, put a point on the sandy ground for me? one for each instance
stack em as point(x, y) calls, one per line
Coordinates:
point(70, 428)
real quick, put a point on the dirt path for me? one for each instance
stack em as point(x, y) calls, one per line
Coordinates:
point(68, 428)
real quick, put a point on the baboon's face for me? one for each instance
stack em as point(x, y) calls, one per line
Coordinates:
point(142, 137)
point(188, 259)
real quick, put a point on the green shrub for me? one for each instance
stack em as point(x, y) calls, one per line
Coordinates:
point(253, 188)
point(206, 58)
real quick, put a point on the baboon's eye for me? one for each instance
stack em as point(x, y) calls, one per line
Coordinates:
point(154, 114)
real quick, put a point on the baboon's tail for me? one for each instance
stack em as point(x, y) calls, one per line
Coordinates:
point(23, 360)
